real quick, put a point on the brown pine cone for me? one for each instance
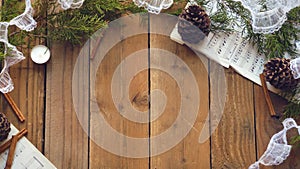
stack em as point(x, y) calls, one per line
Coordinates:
point(4, 127)
point(193, 24)
point(278, 73)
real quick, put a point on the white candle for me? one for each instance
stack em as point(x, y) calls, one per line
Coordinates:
point(40, 54)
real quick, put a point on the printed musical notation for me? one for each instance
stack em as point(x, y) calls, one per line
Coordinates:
point(230, 50)
point(27, 156)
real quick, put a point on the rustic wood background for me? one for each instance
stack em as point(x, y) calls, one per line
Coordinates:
point(44, 95)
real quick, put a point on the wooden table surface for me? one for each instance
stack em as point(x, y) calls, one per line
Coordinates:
point(44, 95)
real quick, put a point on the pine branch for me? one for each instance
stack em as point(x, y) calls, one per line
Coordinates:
point(292, 110)
point(72, 25)
point(295, 140)
point(75, 25)
point(11, 9)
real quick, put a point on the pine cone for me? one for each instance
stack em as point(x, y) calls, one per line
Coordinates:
point(190, 21)
point(4, 127)
point(278, 73)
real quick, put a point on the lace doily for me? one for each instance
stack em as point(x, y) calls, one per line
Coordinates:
point(268, 15)
point(278, 150)
point(154, 6)
point(26, 22)
point(66, 4)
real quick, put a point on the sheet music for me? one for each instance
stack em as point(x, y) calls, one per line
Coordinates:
point(230, 50)
point(27, 156)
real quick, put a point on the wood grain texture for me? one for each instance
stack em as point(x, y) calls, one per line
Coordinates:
point(67, 130)
point(217, 98)
point(101, 96)
point(233, 142)
point(28, 93)
point(28, 79)
point(188, 153)
point(66, 144)
point(266, 127)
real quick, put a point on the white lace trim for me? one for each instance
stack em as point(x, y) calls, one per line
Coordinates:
point(154, 6)
point(278, 150)
point(26, 22)
point(67, 4)
point(295, 67)
point(270, 19)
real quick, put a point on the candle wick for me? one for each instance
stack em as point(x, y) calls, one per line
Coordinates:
point(46, 51)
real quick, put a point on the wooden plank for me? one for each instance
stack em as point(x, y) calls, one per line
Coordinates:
point(188, 152)
point(266, 127)
point(233, 142)
point(28, 93)
point(217, 94)
point(66, 144)
point(118, 152)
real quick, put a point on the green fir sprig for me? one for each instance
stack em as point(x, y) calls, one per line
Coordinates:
point(10, 9)
point(72, 25)
point(292, 109)
point(295, 140)
point(75, 25)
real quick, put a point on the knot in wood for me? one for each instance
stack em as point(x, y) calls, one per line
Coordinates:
point(141, 100)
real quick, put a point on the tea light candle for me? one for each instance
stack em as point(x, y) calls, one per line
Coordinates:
point(40, 54)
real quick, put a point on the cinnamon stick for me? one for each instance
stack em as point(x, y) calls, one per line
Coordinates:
point(6, 145)
point(11, 154)
point(14, 107)
point(267, 96)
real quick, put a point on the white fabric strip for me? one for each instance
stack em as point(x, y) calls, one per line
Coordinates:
point(25, 22)
point(67, 4)
point(154, 6)
point(295, 67)
point(278, 149)
point(269, 16)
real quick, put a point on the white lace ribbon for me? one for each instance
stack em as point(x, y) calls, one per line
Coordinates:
point(26, 22)
point(278, 149)
point(295, 67)
point(67, 4)
point(154, 6)
point(269, 15)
